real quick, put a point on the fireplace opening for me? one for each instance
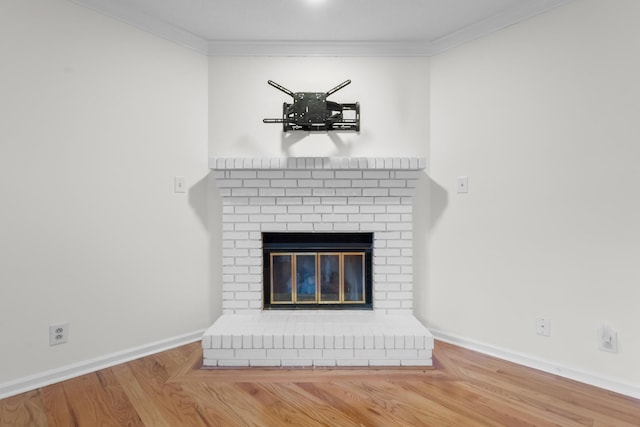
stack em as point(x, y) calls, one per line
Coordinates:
point(317, 270)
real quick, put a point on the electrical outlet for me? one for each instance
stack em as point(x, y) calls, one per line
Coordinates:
point(543, 326)
point(58, 333)
point(607, 339)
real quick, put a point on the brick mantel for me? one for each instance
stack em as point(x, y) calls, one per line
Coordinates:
point(317, 194)
point(362, 163)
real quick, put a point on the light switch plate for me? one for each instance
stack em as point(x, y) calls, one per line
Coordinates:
point(462, 184)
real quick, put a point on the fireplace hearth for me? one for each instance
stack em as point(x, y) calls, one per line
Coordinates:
point(317, 260)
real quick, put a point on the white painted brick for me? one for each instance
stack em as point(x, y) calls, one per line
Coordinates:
point(297, 174)
point(352, 362)
point(272, 174)
point(311, 183)
point(206, 342)
point(282, 354)
point(287, 218)
point(324, 362)
point(358, 341)
point(361, 200)
point(348, 341)
point(324, 192)
point(338, 354)
point(289, 200)
point(378, 342)
point(387, 217)
point(236, 341)
point(348, 174)
point(248, 261)
point(236, 304)
point(348, 192)
point(226, 341)
point(229, 183)
point(425, 354)
point(401, 192)
point(219, 354)
point(311, 200)
point(361, 218)
point(337, 183)
point(251, 353)
point(334, 218)
point(298, 192)
point(334, 200)
point(406, 175)
point(278, 341)
point(300, 227)
point(271, 192)
point(247, 227)
point(388, 304)
point(247, 340)
point(388, 200)
point(288, 341)
point(370, 354)
point(236, 287)
point(249, 244)
point(310, 354)
point(399, 226)
point(375, 174)
point(346, 226)
point(327, 209)
point(386, 269)
point(263, 201)
point(384, 362)
point(265, 363)
point(284, 183)
point(323, 174)
point(273, 209)
point(233, 362)
point(393, 183)
point(322, 227)
point(416, 362)
point(365, 183)
point(311, 218)
point(344, 209)
point(296, 362)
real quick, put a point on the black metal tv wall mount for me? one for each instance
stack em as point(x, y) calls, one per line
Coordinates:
point(311, 111)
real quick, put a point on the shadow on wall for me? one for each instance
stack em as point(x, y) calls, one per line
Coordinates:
point(204, 199)
point(197, 195)
point(429, 205)
point(342, 148)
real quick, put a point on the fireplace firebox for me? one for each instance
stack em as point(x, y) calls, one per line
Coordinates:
point(317, 270)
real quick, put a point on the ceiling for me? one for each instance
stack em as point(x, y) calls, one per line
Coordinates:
point(321, 27)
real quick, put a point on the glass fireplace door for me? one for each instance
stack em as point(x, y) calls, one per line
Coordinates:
point(317, 278)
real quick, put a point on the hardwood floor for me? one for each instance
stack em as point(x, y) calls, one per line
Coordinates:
point(463, 389)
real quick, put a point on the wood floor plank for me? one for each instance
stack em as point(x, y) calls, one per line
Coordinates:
point(23, 410)
point(175, 406)
point(97, 399)
point(464, 388)
point(145, 405)
point(55, 406)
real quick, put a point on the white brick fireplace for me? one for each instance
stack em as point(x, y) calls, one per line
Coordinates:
point(317, 195)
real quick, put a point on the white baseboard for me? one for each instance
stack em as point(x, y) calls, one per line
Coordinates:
point(615, 385)
point(52, 376)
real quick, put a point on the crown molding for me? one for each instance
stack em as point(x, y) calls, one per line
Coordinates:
point(511, 16)
point(507, 18)
point(318, 48)
point(146, 23)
